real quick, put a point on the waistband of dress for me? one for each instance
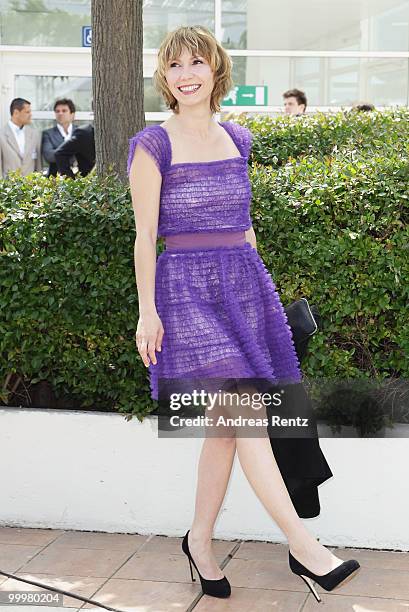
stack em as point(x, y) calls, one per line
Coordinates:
point(198, 240)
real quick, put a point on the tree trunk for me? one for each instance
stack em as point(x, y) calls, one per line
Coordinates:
point(117, 83)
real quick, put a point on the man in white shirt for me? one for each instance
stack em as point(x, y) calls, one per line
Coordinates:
point(64, 110)
point(20, 144)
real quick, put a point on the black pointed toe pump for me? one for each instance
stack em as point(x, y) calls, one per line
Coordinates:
point(327, 581)
point(216, 588)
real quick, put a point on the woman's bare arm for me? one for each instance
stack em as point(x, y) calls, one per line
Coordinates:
point(145, 181)
point(251, 237)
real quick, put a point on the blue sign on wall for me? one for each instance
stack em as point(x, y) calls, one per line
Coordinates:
point(86, 36)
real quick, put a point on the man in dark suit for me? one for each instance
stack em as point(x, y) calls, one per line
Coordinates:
point(82, 145)
point(64, 110)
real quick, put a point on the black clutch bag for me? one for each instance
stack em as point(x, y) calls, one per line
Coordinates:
point(304, 322)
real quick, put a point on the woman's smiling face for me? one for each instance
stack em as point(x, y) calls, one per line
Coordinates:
point(190, 78)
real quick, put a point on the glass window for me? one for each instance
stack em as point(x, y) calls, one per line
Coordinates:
point(386, 81)
point(320, 25)
point(45, 124)
point(153, 101)
point(44, 23)
point(234, 24)
point(163, 16)
point(271, 71)
point(308, 75)
point(42, 91)
point(59, 23)
point(327, 81)
point(390, 29)
point(342, 81)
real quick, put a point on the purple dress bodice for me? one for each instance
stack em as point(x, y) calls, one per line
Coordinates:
point(211, 196)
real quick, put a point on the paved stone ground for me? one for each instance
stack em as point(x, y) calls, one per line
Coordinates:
point(136, 573)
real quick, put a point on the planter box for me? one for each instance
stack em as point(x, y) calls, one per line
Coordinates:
point(96, 471)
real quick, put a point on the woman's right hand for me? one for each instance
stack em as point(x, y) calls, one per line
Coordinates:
point(149, 335)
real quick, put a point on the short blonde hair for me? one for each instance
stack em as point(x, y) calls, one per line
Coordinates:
point(198, 40)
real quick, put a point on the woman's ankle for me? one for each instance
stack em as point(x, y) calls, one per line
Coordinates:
point(198, 535)
point(302, 544)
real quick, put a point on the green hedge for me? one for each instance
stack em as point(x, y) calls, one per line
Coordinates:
point(337, 233)
point(68, 294)
point(278, 139)
point(332, 228)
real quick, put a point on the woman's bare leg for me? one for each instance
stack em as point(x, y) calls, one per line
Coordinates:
point(214, 469)
point(215, 464)
point(261, 470)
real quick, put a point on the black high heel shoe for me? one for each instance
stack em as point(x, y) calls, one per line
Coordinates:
point(328, 581)
point(216, 588)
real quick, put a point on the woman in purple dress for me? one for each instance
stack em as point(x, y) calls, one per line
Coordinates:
point(208, 308)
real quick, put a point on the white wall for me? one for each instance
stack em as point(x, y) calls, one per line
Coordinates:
point(96, 471)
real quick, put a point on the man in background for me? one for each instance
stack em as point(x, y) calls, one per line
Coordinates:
point(295, 102)
point(52, 138)
point(82, 145)
point(363, 107)
point(20, 144)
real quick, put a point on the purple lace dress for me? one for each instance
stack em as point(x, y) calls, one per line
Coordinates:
point(219, 306)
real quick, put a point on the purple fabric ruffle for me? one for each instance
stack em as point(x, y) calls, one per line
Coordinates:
point(199, 197)
point(222, 318)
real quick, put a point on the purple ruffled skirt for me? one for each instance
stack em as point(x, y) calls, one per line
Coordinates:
point(221, 313)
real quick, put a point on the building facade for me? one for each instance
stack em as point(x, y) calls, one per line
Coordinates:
point(338, 51)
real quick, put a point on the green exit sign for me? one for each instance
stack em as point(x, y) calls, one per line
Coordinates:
point(246, 95)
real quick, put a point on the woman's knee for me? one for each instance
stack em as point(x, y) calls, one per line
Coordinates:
point(222, 440)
